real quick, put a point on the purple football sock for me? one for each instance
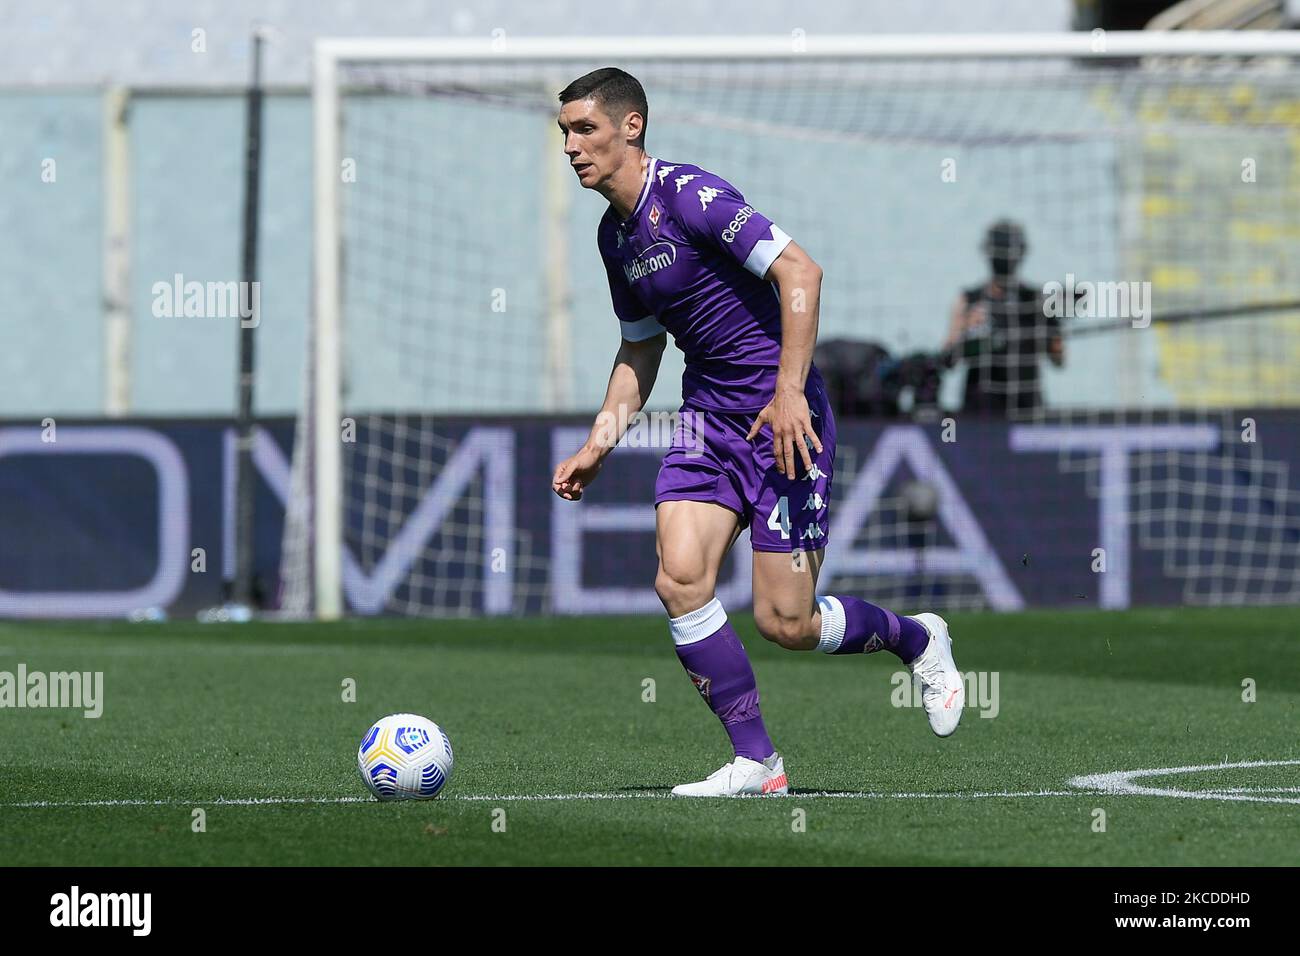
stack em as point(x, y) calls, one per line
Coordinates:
point(718, 666)
point(854, 626)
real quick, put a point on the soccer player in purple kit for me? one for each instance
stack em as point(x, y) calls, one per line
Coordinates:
point(686, 254)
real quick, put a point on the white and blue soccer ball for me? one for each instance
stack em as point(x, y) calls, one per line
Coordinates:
point(405, 757)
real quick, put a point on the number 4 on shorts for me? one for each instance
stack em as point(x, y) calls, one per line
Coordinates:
point(779, 519)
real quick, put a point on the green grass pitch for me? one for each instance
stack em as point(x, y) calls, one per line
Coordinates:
point(197, 714)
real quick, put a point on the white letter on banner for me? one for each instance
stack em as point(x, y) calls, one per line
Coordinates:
point(570, 520)
point(1113, 443)
point(973, 554)
point(173, 520)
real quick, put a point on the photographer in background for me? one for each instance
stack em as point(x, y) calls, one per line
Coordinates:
point(999, 330)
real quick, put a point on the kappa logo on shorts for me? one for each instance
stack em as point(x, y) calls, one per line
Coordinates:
point(813, 531)
point(701, 683)
point(814, 472)
point(815, 502)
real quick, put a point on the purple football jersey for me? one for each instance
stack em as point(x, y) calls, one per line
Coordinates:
point(691, 260)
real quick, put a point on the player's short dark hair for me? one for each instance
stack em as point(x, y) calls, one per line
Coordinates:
point(616, 91)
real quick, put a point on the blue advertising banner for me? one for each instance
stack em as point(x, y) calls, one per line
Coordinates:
point(104, 519)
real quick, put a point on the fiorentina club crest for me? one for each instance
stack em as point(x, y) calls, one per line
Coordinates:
point(701, 683)
point(654, 218)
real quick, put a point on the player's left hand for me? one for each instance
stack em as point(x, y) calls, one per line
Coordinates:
point(791, 423)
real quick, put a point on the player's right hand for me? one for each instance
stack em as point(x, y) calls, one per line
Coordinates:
point(574, 474)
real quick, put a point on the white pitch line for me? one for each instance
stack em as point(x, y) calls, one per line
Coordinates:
point(1115, 783)
point(523, 797)
point(856, 795)
point(219, 802)
point(1121, 783)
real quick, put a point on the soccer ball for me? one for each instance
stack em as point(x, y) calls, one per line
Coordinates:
point(405, 757)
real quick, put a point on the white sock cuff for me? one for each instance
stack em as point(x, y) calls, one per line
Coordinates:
point(696, 625)
point(833, 624)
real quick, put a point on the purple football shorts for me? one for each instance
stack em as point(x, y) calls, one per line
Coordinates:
point(710, 460)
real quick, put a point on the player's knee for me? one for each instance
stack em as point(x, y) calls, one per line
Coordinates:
point(784, 629)
point(682, 590)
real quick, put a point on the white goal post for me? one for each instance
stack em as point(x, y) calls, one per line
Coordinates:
point(323, 475)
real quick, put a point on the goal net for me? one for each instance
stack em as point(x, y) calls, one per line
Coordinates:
point(1145, 185)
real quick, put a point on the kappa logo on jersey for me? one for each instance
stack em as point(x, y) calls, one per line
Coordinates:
point(813, 531)
point(815, 502)
point(733, 227)
point(663, 173)
point(707, 194)
point(681, 181)
point(658, 256)
point(814, 472)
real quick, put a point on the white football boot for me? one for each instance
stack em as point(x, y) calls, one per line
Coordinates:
point(742, 777)
point(942, 690)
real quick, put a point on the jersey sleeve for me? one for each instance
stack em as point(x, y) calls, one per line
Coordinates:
point(637, 323)
point(713, 212)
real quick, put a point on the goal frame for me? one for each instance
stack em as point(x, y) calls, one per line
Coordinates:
point(332, 53)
